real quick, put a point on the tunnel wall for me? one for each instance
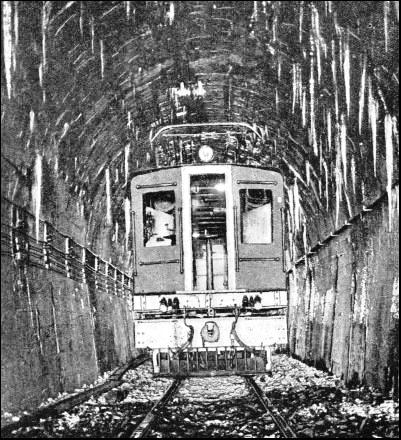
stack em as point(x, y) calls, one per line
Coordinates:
point(59, 330)
point(57, 333)
point(47, 336)
point(343, 310)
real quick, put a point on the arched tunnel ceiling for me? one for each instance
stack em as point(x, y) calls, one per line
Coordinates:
point(86, 83)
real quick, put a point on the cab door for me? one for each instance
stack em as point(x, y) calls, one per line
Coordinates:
point(258, 201)
point(157, 227)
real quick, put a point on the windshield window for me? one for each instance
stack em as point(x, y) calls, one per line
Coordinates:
point(256, 216)
point(159, 225)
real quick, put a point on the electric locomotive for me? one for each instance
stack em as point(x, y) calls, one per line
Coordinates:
point(208, 260)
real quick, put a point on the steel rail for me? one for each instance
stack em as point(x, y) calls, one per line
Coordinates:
point(66, 404)
point(277, 418)
point(143, 429)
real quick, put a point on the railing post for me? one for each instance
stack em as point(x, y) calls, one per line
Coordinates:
point(106, 271)
point(130, 292)
point(18, 248)
point(96, 272)
point(16, 240)
point(67, 257)
point(83, 265)
point(115, 281)
point(12, 241)
point(46, 240)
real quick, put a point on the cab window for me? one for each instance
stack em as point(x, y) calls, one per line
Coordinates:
point(256, 216)
point(159, 225)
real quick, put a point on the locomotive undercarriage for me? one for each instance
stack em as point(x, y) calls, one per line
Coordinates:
point(209, 341)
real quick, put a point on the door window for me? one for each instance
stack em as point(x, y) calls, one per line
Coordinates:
point(159, 225)
point(256, 216)
point(209, 232)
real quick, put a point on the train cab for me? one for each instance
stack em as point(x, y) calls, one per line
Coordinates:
point(210, 294)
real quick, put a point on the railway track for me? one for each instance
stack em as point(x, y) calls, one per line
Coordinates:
point(68, 403)
point(284, 428)
point(149, 426)
point(143, 429)
point(227, 406)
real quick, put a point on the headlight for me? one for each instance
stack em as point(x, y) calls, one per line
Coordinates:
point(205, 153)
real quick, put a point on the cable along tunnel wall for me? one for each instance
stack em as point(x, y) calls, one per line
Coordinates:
point(344, 302)
point(66, 313)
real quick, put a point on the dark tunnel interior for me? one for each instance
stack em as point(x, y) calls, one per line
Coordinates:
point(85, 86)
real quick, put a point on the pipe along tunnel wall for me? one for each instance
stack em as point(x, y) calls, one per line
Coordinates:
point(344, 302)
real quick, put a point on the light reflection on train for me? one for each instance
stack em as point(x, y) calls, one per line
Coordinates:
point(210, 292)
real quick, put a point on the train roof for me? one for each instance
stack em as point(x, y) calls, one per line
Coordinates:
point(156, 169)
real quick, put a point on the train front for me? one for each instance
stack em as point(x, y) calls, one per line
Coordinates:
point(210, 296)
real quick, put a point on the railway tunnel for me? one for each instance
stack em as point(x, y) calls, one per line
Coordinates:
point(85, 87)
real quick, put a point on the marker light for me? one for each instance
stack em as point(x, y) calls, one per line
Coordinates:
point(205, 153)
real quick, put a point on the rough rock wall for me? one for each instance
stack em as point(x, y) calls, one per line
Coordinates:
point(343, 310)
point(114, 328)
point(53, 337)
point(59, 332)
point(47, 336)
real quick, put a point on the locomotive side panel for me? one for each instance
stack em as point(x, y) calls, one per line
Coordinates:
point(258, 201)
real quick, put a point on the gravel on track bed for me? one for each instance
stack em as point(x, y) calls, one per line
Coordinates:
point(214, 407)
point(315, 403)
point(116, 412)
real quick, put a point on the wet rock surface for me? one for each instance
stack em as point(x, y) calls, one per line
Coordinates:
point(315, 404)
point(214, 407)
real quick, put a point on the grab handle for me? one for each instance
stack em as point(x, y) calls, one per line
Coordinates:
point(282, 239)
point(135, 272)
point(181, 241)
point(236, 238)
